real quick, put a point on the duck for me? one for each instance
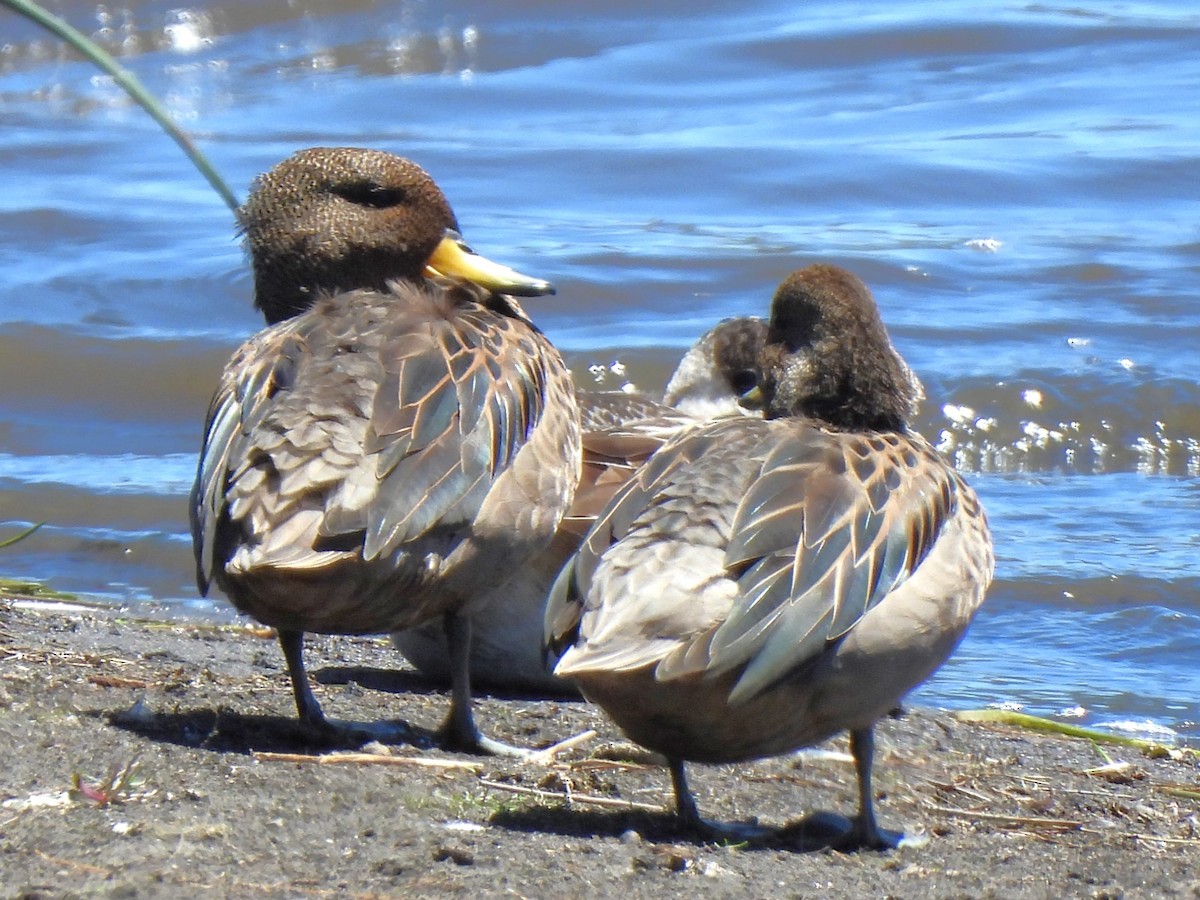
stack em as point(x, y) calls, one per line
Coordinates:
point(620, 431)
point(399, 435)
point(718, 369)
point(764, 583)
point(707, 382)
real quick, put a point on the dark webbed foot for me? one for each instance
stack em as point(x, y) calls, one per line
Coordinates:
point(689, 814)
point(868, 836)
point(477, 744)
point(827, 830)
point(861, 832)
point(307, 708)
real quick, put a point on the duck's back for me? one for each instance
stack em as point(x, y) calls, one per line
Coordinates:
point(377, 447)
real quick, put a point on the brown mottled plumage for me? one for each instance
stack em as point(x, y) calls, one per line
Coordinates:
point(394, 439)
point(761, 584)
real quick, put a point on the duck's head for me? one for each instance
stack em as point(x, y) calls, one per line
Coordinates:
point(828, 356)
point(331, 219)
point(718, 369)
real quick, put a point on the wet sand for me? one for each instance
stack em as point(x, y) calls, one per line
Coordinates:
point(226, 797)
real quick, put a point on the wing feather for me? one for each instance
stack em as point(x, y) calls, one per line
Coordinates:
point(826, 526)
point(323, 430)
point(864, 524)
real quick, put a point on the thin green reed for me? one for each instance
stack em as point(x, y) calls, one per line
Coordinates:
point(8, 542)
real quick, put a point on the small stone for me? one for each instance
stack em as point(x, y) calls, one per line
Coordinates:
point(460, 856)
point(390, 868)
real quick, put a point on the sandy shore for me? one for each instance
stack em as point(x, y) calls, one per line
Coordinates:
point(148, 759)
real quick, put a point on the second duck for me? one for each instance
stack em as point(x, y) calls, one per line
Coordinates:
point(761, 584)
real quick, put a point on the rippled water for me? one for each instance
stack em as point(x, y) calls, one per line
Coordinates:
point(1016, 182)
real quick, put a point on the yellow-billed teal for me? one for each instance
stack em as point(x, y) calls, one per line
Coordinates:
point(398, 437)
point(764, 583)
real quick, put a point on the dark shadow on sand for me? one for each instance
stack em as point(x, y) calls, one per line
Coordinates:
point(387, 681)
point(225, 731)
point(230, 731)
point(815, 832)
point(406, 681)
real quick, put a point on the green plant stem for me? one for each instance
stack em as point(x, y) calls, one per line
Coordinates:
point(8, 542)
point(1036, 723)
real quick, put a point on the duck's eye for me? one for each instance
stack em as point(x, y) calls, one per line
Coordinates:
point(742, 381)
point(368, 193)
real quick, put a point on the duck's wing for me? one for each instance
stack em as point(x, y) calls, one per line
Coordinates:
point(831, 526)
point(359, 430)
point(607, 410)
point(251, 378)
point(459, 400)
point(788, 537)
point(612, 455)
point(620, 432)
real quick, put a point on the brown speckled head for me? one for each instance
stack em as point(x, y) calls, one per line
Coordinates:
point(736, 345)
point(718, 369)
point(332, 219)
point(828, 355)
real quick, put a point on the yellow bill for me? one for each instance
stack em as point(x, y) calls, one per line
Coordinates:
point(454, 259)
point(753, 399)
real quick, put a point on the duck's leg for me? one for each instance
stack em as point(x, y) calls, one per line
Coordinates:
point(685, 803)
point(866, 833)
point(689, 813)
point(307, 706)
point(332, 731)
point(459, 732)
